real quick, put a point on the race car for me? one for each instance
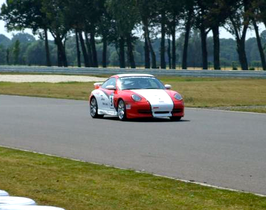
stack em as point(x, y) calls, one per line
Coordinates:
point(128, 96)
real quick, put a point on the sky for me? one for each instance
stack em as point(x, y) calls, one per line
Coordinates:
point(223, 32)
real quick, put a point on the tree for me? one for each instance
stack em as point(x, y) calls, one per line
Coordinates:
point(78, 50)
point(125, 15)
point(104, 29)
point(258, 14)
point(148, 12)
point(4, 41)
point(175, 10)
point(162, 10)
point(218, 12)
point(7, 56)
point(58, 24)
point(20, 15)
point(77, 17)
point(238, 26)
point(16, 52)
point(188, 16)
point(24, 38)
point(35, 53)
point(202, 10)
point(2, 55)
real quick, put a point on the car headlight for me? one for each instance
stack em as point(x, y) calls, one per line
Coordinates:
point(178, 97)
point(136, 98)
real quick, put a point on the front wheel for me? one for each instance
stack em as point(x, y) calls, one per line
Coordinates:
point(94, 108)
point(121, 110)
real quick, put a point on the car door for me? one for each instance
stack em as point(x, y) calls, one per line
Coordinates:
point(107, 97)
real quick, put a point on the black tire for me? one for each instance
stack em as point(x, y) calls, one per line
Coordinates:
point(121, 110)
point(175, 118)
point(94, 108)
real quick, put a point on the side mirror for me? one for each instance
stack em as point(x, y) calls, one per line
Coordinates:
point(168, 87)
point(97, 85)
point(111, 87)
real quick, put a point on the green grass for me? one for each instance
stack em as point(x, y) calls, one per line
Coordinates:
point(71, 90)
point(197, 92)
point(77, 185)
point(223, 92)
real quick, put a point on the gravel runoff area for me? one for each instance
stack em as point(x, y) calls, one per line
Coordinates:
point(48, 78)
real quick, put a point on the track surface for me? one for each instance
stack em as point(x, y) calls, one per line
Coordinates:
point(220, 148)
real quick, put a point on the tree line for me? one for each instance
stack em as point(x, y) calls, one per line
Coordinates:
point(25, 49)
point(124, 25)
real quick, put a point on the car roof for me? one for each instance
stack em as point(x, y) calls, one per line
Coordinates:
point(134, 75)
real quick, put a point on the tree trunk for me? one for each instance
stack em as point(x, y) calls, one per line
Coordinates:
point(203, 36)
point(59, 53)
point(242, 54)
point(262, 55)
point(216, 48)
point(78, 50)
point(173, 46)
point(59, 58)
point(147, 53)
point(62, 61)
point(104, 61)
point(187, 34)
point(130, 50)
point(147, 36)
point(47, 50)
point(241, 37)
point(163, 63)
point(169, 54)
point(153, 55)
point(88, 50)
point(63, 46)
point(94, 51)
point(122, 52)
point(7, 57)
point(84, 51)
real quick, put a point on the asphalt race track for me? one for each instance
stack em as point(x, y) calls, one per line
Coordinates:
point(226, 149)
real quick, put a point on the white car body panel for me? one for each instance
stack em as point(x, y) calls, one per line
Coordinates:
point(14, 200)
point(3, 193)
point(105, 103)
point(161, 103)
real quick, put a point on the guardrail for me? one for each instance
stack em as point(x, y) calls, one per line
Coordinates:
point(111, 71)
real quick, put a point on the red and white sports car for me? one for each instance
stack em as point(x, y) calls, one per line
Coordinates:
point(129, 96)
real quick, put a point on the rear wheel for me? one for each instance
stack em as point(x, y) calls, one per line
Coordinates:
point(121, 110)
point(94, 108)
point(175, 118)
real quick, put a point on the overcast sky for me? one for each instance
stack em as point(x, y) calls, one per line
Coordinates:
point(224, 33)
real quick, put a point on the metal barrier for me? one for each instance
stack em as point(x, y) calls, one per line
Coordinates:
point(111, 71)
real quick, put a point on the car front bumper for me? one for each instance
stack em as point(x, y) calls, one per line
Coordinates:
point(144, 110)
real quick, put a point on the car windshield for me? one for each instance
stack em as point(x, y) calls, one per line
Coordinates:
point(131, 83)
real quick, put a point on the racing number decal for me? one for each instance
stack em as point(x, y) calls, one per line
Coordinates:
point(111, 98)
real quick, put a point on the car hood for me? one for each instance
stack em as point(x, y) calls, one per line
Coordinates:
point(155, 97)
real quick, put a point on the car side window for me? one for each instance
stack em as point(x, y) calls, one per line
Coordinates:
point(111, 81)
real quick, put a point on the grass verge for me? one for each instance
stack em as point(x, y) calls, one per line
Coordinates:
point(77, 185)
point(197, 92)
